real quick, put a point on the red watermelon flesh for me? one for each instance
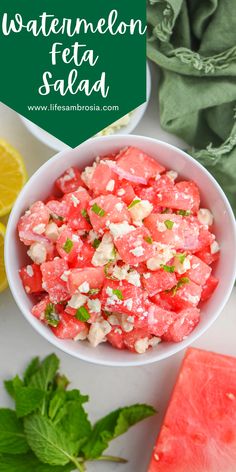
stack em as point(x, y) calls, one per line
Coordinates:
point(198, 433)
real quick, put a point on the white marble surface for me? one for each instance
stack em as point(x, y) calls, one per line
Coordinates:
point(108, 388)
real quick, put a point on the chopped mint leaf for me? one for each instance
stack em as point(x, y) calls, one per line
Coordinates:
point(94, 291)
point(82, 314)
point(96, 243)
point(84, 213)
point(12, 437)
point(68, 245)
point(118, 293)
point(181, 257)
point(53, 216)
point(98, 210)
point(148, 240)
point(169, 224)
point(51, 316)
point(183, 212)
point(182, 281)
point(166, 210)
point(168, 268)
point(134, 202)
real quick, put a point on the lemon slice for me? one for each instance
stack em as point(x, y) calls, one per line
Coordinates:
point(12, 176)
point(3, 277)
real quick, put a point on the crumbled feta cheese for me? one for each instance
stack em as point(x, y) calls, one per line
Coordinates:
point(27, 289)
point(154, 341)
point(140, 211)
point(126, 325)
point(94, 305)
point(113, 299)
point(64, 276)
point(105, 251)
point(231, 396)
point(110, 186)
point(52, 231)
point(161, 227)
point(84, 287)
point(163, 255)
point(38, 253)
point(113, 320)
point(119, 206)
point(133, 278)
point(118, 331)
point(137, 251)
point(172, 174)
point(77, 300)
point(121, 192)
point(214, 247)
point(122, 273)
point(180, 267)
point(120, 229)
point(147, 275)
point(128, 303)
point(82, 335)
point(205, 217)
point(29, 270)
point(92, 236)
point(74, 200)
point(98, 331)
point(141, 345)
point(39, 229)
point(87, 175)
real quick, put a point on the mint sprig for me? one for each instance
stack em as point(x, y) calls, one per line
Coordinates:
point(49, 430)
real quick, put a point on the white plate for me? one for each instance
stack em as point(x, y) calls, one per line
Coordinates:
point(58, 145)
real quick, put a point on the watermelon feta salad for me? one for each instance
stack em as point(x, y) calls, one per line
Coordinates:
point(121, 252)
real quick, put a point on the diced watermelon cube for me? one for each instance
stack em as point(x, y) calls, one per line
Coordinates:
point(158, 281)
point(136, 246)
point(38, 310)
point(209, 287)
point(126, 192)
point(69, 327)
point(137, 334)
point(32, 224)
point(103, 181)
point(185, 322)
point(69, 245)
point(138, 163)
point(77, 204)
point(206, 256)
point(167, 229)
point(84, 259)
point(31, 277)
point(199, 271)
point(94, 276)
point(116, 338)
point(123, 298)
point(58, 211)
point(107, 209)
point(198, 431)
point(69, 181)
point(187, 295)
point(183, 196)
point(52, 282)
point(159, 320)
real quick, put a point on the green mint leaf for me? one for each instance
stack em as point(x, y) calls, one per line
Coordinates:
point(51, 316)
point(94, 291)
point(31, 369)
point(29, 463)
point(82, 314)
point(169, 224)
point(12, 437)
point(96, 243)
point(166, 210)
point(112, 426)
point(68, 246)
point(75, 423)
point(181, 257)
point(27, 400)
point(182, 281)
point(184, 212)
point(148, 240)
point(168, 268)
point(46, 373)
point(61, 382)
point(84, 213)
point(134, 202)
point(98, 210)
point(50, 445)
point(10, 385)
point(56, 404)
point(118, 293)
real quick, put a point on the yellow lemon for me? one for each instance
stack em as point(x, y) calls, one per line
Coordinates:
point(12, 176)
point(3, 277)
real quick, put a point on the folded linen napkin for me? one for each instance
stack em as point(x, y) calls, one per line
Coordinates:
point(193, 43)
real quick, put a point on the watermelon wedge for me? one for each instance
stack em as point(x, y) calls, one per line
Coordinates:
point(198, 433)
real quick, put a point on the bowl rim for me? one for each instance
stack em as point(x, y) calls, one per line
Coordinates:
point(174, 348)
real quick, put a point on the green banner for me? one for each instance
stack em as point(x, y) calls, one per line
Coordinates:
point(73, 67)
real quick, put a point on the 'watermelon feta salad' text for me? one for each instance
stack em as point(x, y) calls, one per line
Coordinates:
point(122, 252)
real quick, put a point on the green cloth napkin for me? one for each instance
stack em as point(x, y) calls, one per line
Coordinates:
point(193, 42)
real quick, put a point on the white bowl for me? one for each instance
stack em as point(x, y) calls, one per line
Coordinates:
point(40, 186)
point(54, 143)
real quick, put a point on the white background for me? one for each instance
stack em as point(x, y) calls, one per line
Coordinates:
point(108, 387)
